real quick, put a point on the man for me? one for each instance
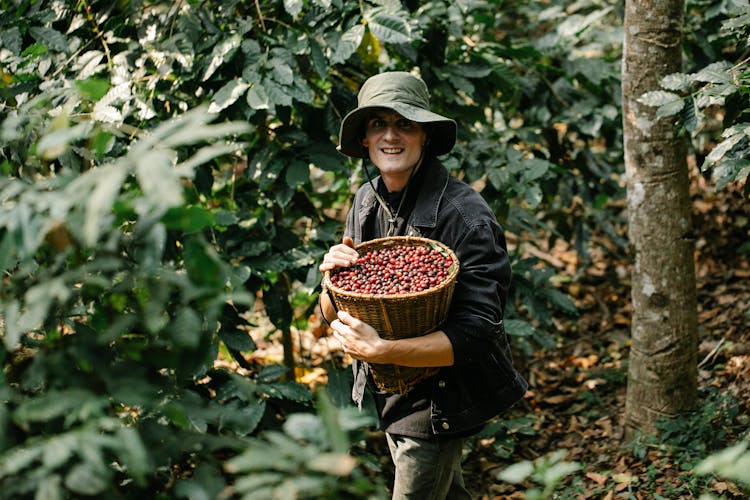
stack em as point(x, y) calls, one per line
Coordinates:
point(414, 195)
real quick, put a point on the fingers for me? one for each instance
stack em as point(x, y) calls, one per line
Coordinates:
point(337, 326)
point(340, 255)
point(348, 241)
point(349, 320)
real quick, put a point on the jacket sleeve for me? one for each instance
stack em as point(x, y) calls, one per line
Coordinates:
point(476, 313)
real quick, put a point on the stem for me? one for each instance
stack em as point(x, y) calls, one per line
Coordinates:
point(95, 27)
point(260, 15)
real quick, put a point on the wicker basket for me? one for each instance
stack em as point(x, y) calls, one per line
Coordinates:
point(399, 316)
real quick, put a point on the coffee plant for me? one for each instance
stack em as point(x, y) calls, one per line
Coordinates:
point(710, 97)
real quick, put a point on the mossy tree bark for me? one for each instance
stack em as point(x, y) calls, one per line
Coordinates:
point(662, 376)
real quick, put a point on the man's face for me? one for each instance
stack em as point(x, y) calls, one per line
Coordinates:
point(395, 145)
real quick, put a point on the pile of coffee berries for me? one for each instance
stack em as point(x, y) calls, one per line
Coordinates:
point(393, 270)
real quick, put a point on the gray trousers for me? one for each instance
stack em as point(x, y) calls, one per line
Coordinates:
point(427, 469)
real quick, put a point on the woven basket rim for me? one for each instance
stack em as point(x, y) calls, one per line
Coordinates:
point(395, 240)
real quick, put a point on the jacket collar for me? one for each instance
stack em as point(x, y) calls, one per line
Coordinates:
point(428, 199)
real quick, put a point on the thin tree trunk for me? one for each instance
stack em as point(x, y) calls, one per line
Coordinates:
point(662, 376)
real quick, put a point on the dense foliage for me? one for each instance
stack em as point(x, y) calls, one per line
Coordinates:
point(166, 165)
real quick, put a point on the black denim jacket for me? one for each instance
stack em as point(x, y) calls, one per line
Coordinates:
point(482, 382)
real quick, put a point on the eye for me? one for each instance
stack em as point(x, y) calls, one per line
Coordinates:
point(376, 123)
point(406, 125)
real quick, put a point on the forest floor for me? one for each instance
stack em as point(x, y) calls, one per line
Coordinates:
point(577, 391)
point(576, 400)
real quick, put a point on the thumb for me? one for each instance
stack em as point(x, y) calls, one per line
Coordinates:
point(348, 241)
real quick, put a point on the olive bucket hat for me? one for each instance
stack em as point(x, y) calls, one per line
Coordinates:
point(403, 93)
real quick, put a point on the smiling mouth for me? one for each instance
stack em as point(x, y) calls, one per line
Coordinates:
point(392, 151)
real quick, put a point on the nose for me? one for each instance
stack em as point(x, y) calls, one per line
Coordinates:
point(391, 132)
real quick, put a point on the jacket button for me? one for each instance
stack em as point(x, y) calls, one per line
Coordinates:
point(441, 384)
point(446, 426)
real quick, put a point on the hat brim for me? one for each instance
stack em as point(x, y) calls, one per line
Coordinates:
point(442, 137)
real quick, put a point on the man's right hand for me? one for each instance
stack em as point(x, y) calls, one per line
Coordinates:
point(341, 255)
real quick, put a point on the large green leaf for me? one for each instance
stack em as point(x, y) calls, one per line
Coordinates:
point(228, 94)
point(389, 28)
point(87, 479)
point(347, 44)
point(69, 404)
point(49, 37)
point(203, 265)
point(222, 52)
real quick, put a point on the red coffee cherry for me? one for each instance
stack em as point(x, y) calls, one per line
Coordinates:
point(398, 269)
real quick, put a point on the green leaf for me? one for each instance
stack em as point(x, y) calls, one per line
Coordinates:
point(730, 463)
point(134, 455)
point(500, 179)
point(271, 373)
point(104, 183)
point(69, 403)
point(17, 459)
point(559, 300)
point(317, 58)
point(534, 168)
point(186, 328)
point(238, 340)
point(58, 449)
point(389, 28)
point(533, 195)
point(721, 149)
point(50, 488)
point(87, 479)
point(517, 472)
point(557, 471)
point(240, 418)
point(188, 218)
point(297, 173)
point(715, 73)
point(339, 441)
point(278, 309)
point(670, 109)
point(277, 94)
point(50, 38)
point(203, 265)
point(55, 143)
point(93, 89)
point(206, 483)
point(35, 50)
point(222, 52)
point(281, 71)
point(519, 328)
point(287, 390)
point(13, 332)
point(227, 95)
point(659, 98)
point(260, 456)
point(305, 427)
point(10, 38)
point(676, 81)
point(348, 44)
point(293, 7)
point(158, 179)
point(253, 482)
point(257, 98)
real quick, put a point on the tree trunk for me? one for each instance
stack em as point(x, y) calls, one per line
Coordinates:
point(662, 378)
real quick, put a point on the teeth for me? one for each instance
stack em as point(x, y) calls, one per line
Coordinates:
point(392, 150)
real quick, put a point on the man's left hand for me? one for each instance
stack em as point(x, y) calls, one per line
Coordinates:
point(358, 339)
